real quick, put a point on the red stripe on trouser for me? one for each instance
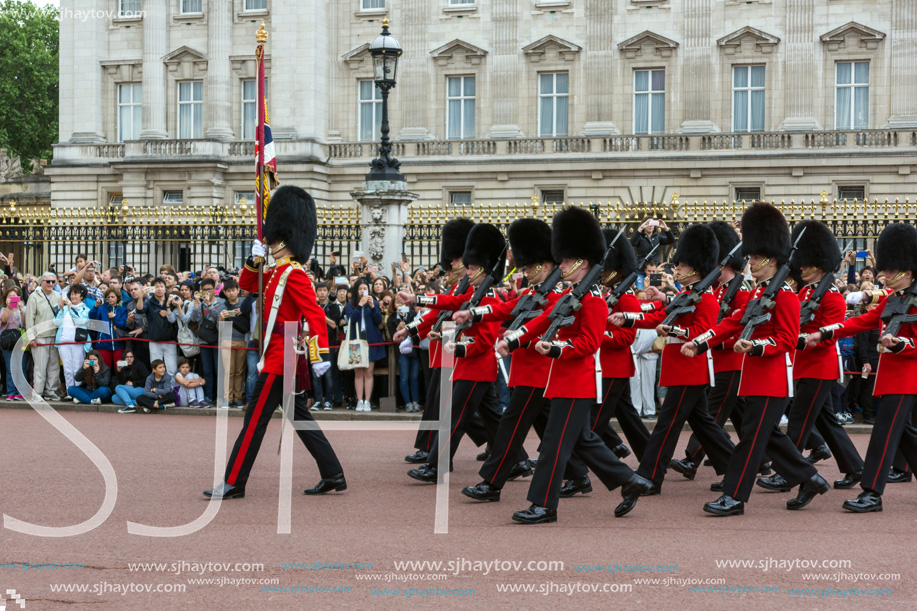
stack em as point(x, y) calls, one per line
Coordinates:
point(430, 436)
point(732, 379)
point(513, 436)
point(809, 413)
point(887, 440)
point(602, 406)
point(671, 424)
point(467, 399)
point(557, 456)
point(757, 430)
point(250, 429)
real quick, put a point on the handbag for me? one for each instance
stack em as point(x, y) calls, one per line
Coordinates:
point(81, 335)
point(207, 332)
point(354, 353)
point(9, 337)
point(186, 336)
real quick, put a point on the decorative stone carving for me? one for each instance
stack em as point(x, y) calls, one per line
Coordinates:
point(10, 167)
point(852, 33)
point(638, 45)
point(565, 49)
point(354, 58)
point(458, 49)
point(762, 41)
point(38, 167)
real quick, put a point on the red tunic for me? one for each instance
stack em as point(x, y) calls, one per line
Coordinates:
point(678, 369)
point(820, 362)
point(896, 374)
point(764, 370)
point(428, 321)
point(528, 367)
point(298, 302)
point(724, 357)
point(572, 372)
point(616, 358)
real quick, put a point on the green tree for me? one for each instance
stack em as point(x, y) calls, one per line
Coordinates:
point(29, 48)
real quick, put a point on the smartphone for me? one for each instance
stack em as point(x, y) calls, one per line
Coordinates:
point(372, 268)
point(862, 254)
point(654, 223)
point(92, 363)
point(121, 363)
point(421, 268)
point(655, 279)
point(14, 301)
point(340, 280)
point(230, 313)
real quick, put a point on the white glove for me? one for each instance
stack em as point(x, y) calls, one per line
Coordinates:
point(258, 249)
point(406, 347)
point(319, 369)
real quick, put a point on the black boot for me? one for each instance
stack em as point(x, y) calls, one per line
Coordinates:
point(225, 491)
point(335, 482)
point(820, 453)
point(424, 473)
point(520, 469)
point(716, 486)
point(899, 477)
point(571, 487)
point(725, 506)
point(621, 451)
point(849, 481)
point(635, 487)
point(417, 458)
point(775, 482)
point(867, 502)
point(687, 468)
point(808, 490)
point(482, 492)
point(535, 515)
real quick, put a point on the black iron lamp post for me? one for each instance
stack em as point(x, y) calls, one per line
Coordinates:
point(385, 51)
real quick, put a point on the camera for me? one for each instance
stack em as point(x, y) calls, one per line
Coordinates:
point(121, 363)
point(655, 279)
point(92, 362)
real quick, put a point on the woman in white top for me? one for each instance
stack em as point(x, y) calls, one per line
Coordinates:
point(72, 333)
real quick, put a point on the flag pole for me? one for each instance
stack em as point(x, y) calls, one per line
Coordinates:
point(261, 38)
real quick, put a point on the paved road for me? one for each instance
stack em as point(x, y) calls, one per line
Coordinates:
point(163, 462)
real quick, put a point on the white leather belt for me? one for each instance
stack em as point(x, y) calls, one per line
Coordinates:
point(675, 340)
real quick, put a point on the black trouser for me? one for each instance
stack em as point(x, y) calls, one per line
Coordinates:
point(525, 405)
point(723, 397)
point(568, 432)
point(865, 397)
point(892, 432)
point(812, 407)
point(760, 434)
point(146, 401)
point(683, 403)
point(467, 395)
point(476, 430)
point(265, 399)
point(612, 391)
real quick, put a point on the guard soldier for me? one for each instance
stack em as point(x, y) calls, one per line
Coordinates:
point(577, 242)
point(896, 382)
point(815, 369)
point(766, 381)
point(289, 232)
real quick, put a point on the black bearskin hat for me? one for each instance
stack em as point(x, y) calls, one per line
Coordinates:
point(577, 235)
point(727, 238)
point(530, 240)
point(622, 258)
point(291, 219)
point(698, 247)
point(765, 233)
point(817, 248)
point(455, 233)
point(896, 248)
point(484, 247)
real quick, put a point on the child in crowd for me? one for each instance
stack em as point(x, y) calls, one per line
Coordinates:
point(157, 392)
point(188, 386)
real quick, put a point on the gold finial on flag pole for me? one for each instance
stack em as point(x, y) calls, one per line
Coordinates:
point(261, 35)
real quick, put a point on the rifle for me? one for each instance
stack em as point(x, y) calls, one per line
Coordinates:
point(894, 314)
point(446, 315)
point(683, 303)
point(807, 313)
point(734, 285)
point(758, 311)
point(479, 293)
point(529, 305)
point(562, 314)
point(628, 282)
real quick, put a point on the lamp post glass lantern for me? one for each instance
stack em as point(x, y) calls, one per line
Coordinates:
point(385, 51)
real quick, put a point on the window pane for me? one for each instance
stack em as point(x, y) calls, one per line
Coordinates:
point(757, 110)
point(547, 83)
point(562, 110)
point(740, 111)
point(641, 113)
point(184, 121)
point(546, 122)
point(563, 83)
point(366, 122)
point(254, 5)
point(658, 80)
point(468, 131)
point(861, 107)
point(455, 119)
point(757, 76)
point(469, 85)
point(138, 122)
point(460, 197)
point(124, 94)
point(249, 90)
point(843, 73)
point(198, 91)
point(740, 76)
point(184, 92)
point(842, 108)
point(249, 121)
point(377, 125)
point(641, 80)
point(370, 4)
point(124, 115)
point(454, 85)
point(658, 113)
point(366, 90)
point(861, 73)
point(191, 6)
point(198, 120)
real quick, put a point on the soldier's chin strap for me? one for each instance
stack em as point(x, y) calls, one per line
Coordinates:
point(607, 279)
point(576, 266)
point(897, 277)
point(535, 272)
point(279, 248)
point(684, 276)
point(761, 265)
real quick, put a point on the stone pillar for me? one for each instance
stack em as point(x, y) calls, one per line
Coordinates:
point(800, 89)
point(903, 85)
point(506, 70)
point(414, 71)
point(697, 69)
point(299, 49)
point(89, 48)
point(599, 69)
point(155, 47)
point(384, 213)
point(219, 48)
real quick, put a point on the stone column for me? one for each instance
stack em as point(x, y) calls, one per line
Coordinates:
point(219, 48)
point(697, 69)
point(415, 79)
point(506, 69)
point(89, 48)
point(384, 213)
point(599, 69)
point(800, 89)
point(903, 85)
point(155, 47)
